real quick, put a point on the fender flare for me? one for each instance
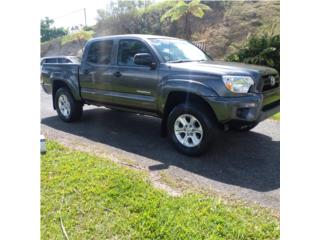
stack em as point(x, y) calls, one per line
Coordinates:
point(183, 85)
point(70, 81)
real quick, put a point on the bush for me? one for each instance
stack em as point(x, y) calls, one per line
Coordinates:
point(261, 50)
point(87, 28)
point(80, 35)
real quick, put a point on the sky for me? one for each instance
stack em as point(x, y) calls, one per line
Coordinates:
point(67, 13)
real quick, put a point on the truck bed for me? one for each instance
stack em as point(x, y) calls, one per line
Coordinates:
point(66, 72)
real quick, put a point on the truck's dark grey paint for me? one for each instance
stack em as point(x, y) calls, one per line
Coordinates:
point(146, 89)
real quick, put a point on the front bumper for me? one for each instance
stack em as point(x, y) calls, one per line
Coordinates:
point(253, 108)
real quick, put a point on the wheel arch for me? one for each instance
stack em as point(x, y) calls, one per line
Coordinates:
point(182, 86)
point(56, 85)
point(175, 98)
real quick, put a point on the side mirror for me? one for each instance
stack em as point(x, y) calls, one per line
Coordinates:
point(144, 59)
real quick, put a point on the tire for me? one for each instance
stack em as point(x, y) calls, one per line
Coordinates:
point(243, 127)
point(195, 143)
point(68, 109)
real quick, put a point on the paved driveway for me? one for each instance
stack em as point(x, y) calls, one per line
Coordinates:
point(243, 165)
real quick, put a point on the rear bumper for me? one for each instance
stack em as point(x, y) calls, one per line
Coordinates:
point(253, 108)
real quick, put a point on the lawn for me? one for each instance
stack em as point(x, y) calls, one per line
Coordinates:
point(276, 116)
point(88, 197)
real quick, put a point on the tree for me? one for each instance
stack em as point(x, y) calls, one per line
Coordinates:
point(47, 32)
point(186, 10)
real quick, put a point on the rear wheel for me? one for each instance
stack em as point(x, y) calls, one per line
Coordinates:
point(68, 109)
point(190, 128)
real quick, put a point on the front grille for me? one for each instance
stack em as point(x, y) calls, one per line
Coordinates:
point(267, 84)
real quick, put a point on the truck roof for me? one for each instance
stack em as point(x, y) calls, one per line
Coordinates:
point(58, 56)
point(138, 36)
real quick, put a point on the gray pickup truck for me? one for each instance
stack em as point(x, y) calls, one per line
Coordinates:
point(169, 78)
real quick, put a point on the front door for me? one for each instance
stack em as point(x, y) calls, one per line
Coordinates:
point(134, 86)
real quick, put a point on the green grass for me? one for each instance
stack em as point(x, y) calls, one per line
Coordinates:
point(98, 199)
point(276, 116)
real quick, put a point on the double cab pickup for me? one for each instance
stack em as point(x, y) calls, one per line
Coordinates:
point(169, 78)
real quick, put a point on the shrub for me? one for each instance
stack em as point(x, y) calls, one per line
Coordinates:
point(80, 35)
point(261, 50)
point(87, 28)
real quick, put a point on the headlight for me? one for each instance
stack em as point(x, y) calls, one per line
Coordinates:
point(238, 84)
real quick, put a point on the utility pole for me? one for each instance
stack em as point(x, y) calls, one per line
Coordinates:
point(85, 17)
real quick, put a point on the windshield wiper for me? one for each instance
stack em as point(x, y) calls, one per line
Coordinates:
point(187, 60)
point(180, 61)
point(202, 60)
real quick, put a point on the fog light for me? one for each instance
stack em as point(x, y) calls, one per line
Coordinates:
point(242, 112)
point(250, 105)
point(247, 114)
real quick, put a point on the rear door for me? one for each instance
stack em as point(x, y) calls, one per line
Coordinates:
point(96, 71)
point(134, 86)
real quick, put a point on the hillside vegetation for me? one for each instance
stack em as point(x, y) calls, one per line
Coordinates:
point(226, 26)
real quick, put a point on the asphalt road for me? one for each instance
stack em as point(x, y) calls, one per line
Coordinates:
point(241, 165)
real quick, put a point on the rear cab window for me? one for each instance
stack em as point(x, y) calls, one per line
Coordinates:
point(64, 60)
point(100, 52)
point(50, 60)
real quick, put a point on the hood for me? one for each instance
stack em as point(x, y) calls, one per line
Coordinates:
point(224, 68)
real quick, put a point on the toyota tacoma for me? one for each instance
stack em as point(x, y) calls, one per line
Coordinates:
point(169, 78)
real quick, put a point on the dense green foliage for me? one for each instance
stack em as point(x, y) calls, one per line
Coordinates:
point(48, 32)
point(261, 50)
point(94, 198)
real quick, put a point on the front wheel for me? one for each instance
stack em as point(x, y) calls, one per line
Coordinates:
point(68, 109)
point(191, 129)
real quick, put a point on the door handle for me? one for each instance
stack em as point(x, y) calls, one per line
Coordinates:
point(86, 71)
point(117, 74)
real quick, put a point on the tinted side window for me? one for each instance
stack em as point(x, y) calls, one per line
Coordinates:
point(64, 60)
point(129, 48)
point(50, 60)
point(100, 52)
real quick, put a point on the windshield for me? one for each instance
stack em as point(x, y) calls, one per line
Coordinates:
point(176, 50)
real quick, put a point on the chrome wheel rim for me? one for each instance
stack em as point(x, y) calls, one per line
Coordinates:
point(188, 130)
point(64, 105)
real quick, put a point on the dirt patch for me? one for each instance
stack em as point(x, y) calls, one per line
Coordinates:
point(55, 48)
